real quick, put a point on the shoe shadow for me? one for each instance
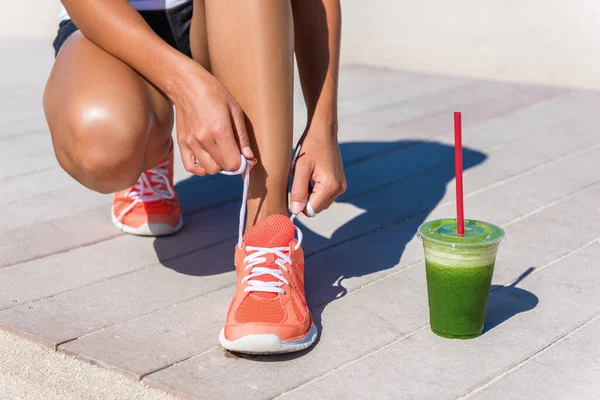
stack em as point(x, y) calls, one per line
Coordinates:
point(507, 301)
point(390, 184)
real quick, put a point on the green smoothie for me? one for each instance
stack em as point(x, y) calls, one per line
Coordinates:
point(459, 274)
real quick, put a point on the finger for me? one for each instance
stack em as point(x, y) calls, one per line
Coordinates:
point(226, 151)
point(243, 140)
point(300, 188)
point(189, 160)
point(337, 189)
point(210, 140)
point(323, 194)
point(205, 160)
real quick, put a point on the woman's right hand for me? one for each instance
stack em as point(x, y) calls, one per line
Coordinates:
point(211, 129)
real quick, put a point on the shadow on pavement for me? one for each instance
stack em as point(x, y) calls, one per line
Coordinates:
point(507, 301)
point(410, 178)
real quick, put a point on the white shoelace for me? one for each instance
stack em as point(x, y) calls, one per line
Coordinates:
point(257, 256)
point(153, 185)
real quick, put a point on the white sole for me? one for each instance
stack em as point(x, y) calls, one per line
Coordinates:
point(267, 343)
point(148, 229)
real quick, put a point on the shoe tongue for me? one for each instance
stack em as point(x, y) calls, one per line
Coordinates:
point(274, 231)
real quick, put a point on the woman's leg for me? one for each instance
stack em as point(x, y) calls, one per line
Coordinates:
point(198, 35)
point(251, 46)
point(108, 124)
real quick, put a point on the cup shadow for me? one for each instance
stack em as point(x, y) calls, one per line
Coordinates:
point(395, 185)
point(507, 301)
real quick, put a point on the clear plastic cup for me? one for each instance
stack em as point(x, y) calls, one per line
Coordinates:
point(459, 274)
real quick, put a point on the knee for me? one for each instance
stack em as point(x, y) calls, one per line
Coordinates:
point(105, 152)
point(107, 172)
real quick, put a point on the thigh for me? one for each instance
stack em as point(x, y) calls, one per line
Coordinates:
point(100, 111)
point(198, 35)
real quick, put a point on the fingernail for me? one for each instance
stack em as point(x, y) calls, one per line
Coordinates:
point(248, 152)
point(296, 207)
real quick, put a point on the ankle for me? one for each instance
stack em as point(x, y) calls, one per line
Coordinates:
point(267, 195)
point(259, 209)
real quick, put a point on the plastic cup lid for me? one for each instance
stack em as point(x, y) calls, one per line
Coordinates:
point(477, 233)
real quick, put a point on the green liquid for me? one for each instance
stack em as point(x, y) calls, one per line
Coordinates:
point(458, 297)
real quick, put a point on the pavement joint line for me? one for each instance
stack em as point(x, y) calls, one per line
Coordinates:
point(553, 161)
point(567, 254)
point(415, 77)
point(145, 375)
point(91, 243)
point(467, 83)
point(529, 358)
point(156, 311)
point(552, 203)
point(534, 104)
point(118, 275)
point(29, 132)
point(25, 174)
point(351, 362)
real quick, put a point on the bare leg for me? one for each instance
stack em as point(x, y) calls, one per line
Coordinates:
point(107, 123)
point(251, 45)
point(198, 37)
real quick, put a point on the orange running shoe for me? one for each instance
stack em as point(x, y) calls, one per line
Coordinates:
point(268, 313)
point(150, 207)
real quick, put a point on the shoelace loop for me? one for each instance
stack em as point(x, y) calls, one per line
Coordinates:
point(149, 187)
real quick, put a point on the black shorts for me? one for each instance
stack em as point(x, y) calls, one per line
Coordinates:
point(172, 25)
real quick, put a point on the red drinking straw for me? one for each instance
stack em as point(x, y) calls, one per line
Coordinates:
point(458, 169)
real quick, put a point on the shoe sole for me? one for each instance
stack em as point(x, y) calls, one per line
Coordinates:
point(153, 229)
point(264, 344)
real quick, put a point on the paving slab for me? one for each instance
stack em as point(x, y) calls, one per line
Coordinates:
point(86, 265)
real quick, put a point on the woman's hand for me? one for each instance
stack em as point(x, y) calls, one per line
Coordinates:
point(211, 130)
point(319, 161)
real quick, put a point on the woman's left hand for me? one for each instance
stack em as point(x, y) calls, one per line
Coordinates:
point(319, 161)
